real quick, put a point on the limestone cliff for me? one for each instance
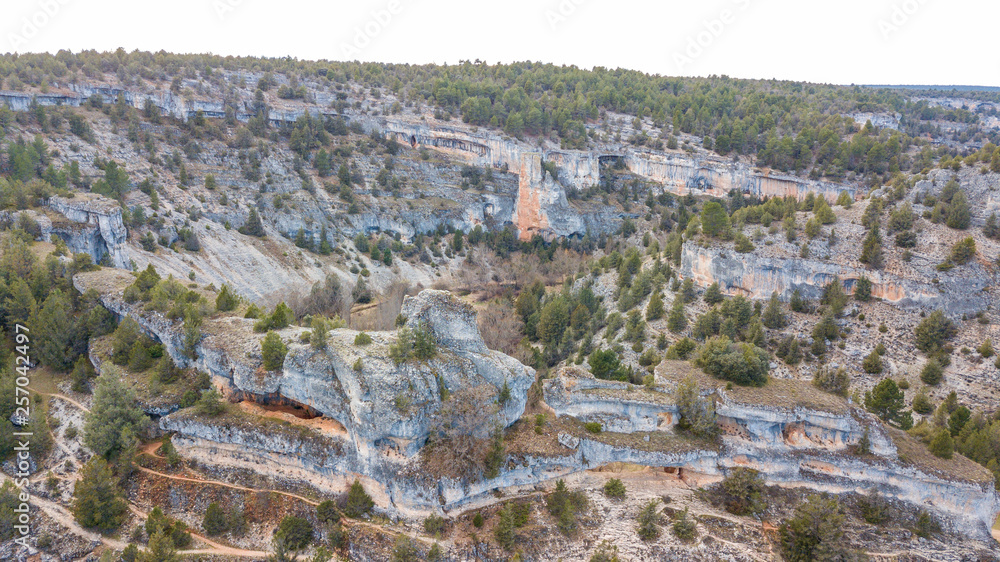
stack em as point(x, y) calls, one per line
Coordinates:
point(794, 434)
point(100, 232)
point(756, 276)
point(382, 410)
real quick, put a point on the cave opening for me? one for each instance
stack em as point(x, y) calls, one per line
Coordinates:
point(413, 141)
point(287, 407)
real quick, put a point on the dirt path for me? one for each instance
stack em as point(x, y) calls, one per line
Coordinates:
point(225, 485)
point(61, 397)
point(216, 548)
point(345, 521)
point(61, 515)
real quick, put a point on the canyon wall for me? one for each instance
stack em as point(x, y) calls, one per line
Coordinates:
point(678, 173)
point(791, 445)
point(713, 176)
point(755, 276)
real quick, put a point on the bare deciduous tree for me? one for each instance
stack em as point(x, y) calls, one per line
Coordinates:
point(460, 434)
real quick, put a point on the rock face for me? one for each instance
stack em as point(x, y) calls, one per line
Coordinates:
point(795, 446)
point(541, 206)
point(757, 277)
point(378, 414)
point(383, 412)
point(683, 174)
point(98, 231)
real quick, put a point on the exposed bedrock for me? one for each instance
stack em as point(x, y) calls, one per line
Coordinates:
point(956, 292)
point(382, 412)
point(694, 174)
point(793, 446)
point(96, 227)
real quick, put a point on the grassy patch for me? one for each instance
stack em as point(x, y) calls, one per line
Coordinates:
point(777, 393)
point(915, 453)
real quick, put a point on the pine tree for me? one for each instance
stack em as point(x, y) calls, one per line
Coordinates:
point(322, 163)
point(823, 212)
point(654, 310)
point(872, 364)
point(863, 289)
point(324, 245)
point(715, 221)
point(253, 226)
point(942, 445)
point(932, 373)
point(53, 330)
point(713, 294)
point(160, 549)
point(992, 227)
point(358, 502)
point(886, 400)
point(922, 402)
point(300, 238)
point(504, 530)
point(215, 521)
point(871, 249)
point(677, 320)
point(773, 317)
point(743, 244)
point(687, 290)
point(97, 501)
point(273, 351)
point(959, 214)
point(649, 519)
point(114, 422)
point(226, 301)
point(319, 332)
point(344, 175)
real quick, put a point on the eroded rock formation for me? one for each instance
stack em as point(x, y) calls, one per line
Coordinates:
point(757, 276)
point(96, 227)
point(795, 436)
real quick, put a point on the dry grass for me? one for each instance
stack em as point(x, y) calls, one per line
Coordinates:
point(915, 453)
point(522, 441)
point(777, 393)
point(106, 281)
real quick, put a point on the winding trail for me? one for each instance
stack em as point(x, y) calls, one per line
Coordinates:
point(64, 517)
point(224, 485)
point(61, 397)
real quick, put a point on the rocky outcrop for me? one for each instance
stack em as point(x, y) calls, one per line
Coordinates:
point(96, 228)
point(711, 176)
point(541, 206)
point(384, 410)
point(791, 444)
point(757, 277)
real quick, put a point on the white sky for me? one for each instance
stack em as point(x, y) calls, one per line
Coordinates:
point(835, 41)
